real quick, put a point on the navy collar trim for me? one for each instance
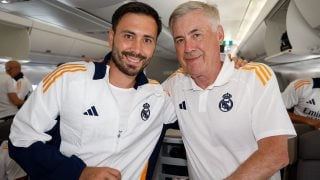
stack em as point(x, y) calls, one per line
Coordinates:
point(316, 82)
point(19, 76)
point(101, 68)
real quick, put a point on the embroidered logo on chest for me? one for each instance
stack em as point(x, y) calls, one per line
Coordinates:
point(145, 113)
point(226, 103)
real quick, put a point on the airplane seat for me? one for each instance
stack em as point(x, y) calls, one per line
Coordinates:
point(289, 172)
point(308, 167)
point(172, 160)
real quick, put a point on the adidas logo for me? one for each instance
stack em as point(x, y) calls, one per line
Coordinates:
point(183, 105)
point(312, 101)
point(91, 112)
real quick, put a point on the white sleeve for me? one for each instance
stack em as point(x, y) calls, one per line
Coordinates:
point(270, 117)
point(169, 109)
point(290, 96)
point(24, 87)
point(167, 86)
point(11, 85)
point(37, 115)
point(169, 113)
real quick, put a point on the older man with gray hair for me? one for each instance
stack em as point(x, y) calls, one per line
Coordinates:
point(233, 122)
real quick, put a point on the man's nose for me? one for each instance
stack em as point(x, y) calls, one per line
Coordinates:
point(136, 46)
point(189, 45)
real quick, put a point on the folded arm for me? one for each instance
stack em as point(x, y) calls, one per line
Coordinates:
point(304, 120)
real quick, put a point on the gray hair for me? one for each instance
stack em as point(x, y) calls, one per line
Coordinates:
point(211, 10)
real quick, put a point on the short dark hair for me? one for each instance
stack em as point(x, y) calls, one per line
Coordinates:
point(136, 8)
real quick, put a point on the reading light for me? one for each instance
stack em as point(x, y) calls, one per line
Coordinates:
point(11, 1)
point(5, 1)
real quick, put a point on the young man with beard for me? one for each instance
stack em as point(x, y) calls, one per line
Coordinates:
point(111, 115)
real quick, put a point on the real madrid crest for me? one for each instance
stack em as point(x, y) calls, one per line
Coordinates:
point(145, 113)
point(226, 103)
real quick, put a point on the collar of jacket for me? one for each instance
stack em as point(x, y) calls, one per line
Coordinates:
point(19, 76)
point(316, 82)
point(101, 67)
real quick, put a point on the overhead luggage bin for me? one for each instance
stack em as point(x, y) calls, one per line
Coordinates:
point(24, 39)
point(253, 48)
point(303, 34)
point(14, 36)
point(309, 9)
point(60, 45)
point(304, 39)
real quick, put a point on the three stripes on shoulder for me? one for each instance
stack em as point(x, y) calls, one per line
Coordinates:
point(56, 74)
point(261, 70)
point(301, 83)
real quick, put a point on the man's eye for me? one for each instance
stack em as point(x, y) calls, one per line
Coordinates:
point(128, 36)
point(179, 41)
point(196, 35)
point(148, 41)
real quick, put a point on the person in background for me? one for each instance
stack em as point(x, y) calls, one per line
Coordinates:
point(9, 100)
point(23, 85)
point(233, 122)
point(14, 89)
point(7, 87)
point(303, 95)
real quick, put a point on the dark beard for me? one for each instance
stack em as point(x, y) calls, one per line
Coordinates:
point(128, 69)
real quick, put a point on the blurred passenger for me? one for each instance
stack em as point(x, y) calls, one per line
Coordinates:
point(9, 100)
point(14, 89)
point(303, 95)
point(233, 122)
point(23, 85)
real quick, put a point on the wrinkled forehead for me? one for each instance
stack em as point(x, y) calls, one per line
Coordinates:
point(192, 20)
point(195, 17)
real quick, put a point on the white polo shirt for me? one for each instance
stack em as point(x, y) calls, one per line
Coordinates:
point(221, 125)
point(7, 85)
point(304, 96)
point(24, 87)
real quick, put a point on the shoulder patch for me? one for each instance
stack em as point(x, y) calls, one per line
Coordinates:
point(56, 74)
point(261, 70)
point(301, 83)
point(152, 81)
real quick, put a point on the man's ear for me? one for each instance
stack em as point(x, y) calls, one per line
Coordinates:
point(110, 37)
point(220, 33)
